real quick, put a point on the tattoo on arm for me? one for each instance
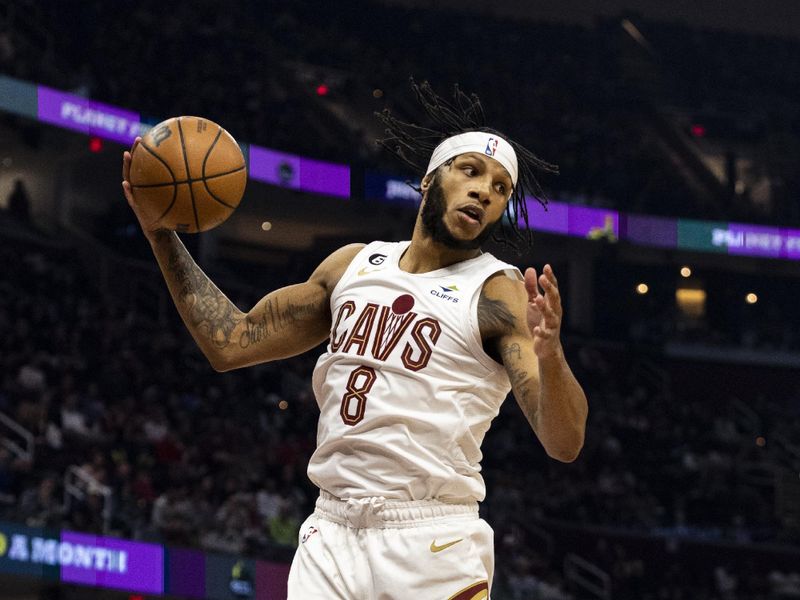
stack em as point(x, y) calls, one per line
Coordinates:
point(494, 317)
point(207, 308)
point(512, 359)
point(274, 319)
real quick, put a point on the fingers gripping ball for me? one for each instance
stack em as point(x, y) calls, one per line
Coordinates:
point(187, 174)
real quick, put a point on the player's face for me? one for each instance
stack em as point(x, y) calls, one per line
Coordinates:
point(465, 201)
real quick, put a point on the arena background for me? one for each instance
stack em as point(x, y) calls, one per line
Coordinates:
point(130, 469)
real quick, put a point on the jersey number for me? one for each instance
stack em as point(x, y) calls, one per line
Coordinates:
point(354, 400)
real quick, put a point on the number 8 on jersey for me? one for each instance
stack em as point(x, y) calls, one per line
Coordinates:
point(354, 400)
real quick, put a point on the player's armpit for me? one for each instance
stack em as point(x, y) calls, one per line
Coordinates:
point(288, 321)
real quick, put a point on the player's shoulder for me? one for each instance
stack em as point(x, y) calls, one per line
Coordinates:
point(333, 267)
point(340, 259)
point(506, 283)
point(347, 252)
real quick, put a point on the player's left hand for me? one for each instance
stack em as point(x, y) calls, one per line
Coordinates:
point(544, 311)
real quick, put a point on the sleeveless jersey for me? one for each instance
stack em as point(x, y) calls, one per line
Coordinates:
point(405, 390)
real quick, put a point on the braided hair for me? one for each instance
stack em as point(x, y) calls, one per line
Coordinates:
point(413, 144)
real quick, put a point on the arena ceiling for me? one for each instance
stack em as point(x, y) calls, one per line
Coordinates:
point(770, 17)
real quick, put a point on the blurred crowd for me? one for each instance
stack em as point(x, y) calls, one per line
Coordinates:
point(190, 456)
point(175, 452)
point(587, 98)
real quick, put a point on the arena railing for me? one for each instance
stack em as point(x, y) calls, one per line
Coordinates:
point(587, 577)
point(23, 447)
point(78, 484)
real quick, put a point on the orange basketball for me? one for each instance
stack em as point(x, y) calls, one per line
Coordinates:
point(188, 174)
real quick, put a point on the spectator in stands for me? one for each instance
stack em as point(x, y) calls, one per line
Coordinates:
point(19, 204)
point(174, 515)
point(284, 526)
point(39, 506)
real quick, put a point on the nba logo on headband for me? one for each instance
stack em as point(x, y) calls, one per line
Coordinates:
point(475, 141)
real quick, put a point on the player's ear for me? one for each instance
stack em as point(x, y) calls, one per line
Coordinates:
point(426, 182)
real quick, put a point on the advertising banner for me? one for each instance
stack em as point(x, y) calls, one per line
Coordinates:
point(593, 223)
point(297, 172)
point(87, 116)
point(230, 578)
point(554, 219)
point(27, 551)
point(324, 178)
point(110, 563)
point(393, 189)
point(791, 248)
point(706, 236)
point(650, 231)
point(186, 573)
point(77, 113)
point(271, 579)
point(18, 97)
point(754, 240)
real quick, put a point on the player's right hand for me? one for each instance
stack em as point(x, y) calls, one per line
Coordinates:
point(149, 228)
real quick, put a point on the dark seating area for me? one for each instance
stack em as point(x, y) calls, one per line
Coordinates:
point(572, 95)
point(194, 457)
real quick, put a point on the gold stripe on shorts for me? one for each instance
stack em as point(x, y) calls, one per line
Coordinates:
point(476, 591)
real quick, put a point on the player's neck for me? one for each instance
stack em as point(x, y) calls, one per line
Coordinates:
point(424, 254)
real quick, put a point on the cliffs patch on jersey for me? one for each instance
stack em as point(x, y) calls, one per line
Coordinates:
point(378, 329)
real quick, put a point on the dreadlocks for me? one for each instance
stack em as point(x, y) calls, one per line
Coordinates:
point(413, 144)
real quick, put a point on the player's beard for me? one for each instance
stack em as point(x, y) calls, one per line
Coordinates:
point(432, 214)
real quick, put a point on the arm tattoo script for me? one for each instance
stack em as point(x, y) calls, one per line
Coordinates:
point(207, 308)
point(520, 380)
point(274, 319)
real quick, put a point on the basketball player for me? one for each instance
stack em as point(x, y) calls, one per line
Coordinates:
point(425, 338)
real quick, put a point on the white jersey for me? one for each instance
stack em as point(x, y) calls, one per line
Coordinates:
point(405, 389)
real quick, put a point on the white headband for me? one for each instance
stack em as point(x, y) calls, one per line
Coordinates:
point(476, 141)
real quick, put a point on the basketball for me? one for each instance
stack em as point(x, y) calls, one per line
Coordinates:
point(188, 174)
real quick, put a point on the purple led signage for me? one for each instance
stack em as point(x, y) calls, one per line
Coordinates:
point(324, 178)
point(650, 231)
point(553, 219)
point(593, 223)
point(567, 219)
point(791, 247)
point(111, 563)
point(87, 116)
point(274, 167)
point(754, 240)
point(90, 117)
point(297, 172)
point(186, 572)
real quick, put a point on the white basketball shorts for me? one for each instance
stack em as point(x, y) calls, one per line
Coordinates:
point(377, 549)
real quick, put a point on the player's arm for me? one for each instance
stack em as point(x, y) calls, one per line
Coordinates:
point(284, 323)
point(523, 326)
